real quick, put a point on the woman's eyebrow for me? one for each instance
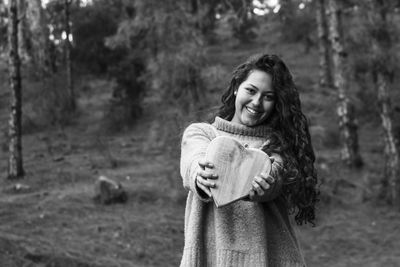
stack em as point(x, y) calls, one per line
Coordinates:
point(255, 87)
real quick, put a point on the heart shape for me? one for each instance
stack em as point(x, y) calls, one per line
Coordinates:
point(236, 167)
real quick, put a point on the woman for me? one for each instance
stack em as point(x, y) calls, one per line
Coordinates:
point(261, 109)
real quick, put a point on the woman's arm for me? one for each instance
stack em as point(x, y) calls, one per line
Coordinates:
point(195, 141)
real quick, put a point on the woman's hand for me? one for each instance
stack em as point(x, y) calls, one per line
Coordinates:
point(204, 176)
point(260, 186)
point(264, 185)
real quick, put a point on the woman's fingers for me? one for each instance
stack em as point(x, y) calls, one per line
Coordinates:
point(262, 183)
point(252, 194)
point(203, 164)
point(267, 178)
point(204, 188)
point(270, 179)
point(204, 182)
point(207, 175)
point(257, 188)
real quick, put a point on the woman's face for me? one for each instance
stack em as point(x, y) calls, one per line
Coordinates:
point(255, 99)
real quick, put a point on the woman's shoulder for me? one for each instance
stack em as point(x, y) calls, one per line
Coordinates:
point(200, 128)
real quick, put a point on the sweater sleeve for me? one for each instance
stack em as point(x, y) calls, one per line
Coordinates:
point(195, 141)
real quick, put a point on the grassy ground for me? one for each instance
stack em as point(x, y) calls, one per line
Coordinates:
point(55, 222)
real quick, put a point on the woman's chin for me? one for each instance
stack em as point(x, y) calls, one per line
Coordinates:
point(250, 122)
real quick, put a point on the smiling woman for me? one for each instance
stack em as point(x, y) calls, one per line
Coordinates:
point(255, 99)
point(261, 110)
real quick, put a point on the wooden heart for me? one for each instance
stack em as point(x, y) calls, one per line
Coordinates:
point(236, 167)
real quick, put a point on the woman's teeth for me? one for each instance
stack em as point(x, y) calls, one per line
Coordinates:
point(252, 111)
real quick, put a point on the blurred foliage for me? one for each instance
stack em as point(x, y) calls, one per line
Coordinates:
point(48, 104)
point(298, 25)
point(126, 102)
point(242, 20)
point(3, 25)
point(204, 16)
point(156, 51)
point(366, 58)
point(161, 36)
point(91, 24)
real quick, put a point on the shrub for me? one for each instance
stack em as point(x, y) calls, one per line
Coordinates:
point(50, 102)
point(126, 103)
point(243, 28)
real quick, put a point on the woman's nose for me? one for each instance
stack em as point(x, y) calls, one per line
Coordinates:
point(256, 101)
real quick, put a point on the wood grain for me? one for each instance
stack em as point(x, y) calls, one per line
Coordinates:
point(236, 167)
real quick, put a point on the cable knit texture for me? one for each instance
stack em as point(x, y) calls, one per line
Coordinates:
point(244, 233)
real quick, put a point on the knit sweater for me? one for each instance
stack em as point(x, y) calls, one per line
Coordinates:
point(244, 233)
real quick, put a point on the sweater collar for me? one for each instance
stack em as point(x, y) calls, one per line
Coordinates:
point(235, 128)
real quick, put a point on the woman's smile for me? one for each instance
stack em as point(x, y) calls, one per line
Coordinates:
point(253, 111)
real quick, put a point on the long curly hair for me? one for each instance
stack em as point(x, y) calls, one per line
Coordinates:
point(290, 137)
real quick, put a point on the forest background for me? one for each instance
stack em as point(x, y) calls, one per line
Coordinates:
point(108, 86)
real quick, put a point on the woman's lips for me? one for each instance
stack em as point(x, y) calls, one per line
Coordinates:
point(253, 111)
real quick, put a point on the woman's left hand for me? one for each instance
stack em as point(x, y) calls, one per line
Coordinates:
point(262, 184)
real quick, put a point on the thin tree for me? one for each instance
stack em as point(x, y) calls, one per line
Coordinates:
point(3, 25)
point(39, 38)
point(383, 54)
point(68, 61)
point(15, 165)
point(23, 33)
point(345, 109)
point(325, 72)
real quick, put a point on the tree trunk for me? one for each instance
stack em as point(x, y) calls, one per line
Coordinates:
point(325, 73)
point(345, 109)
point(70, 84)
point(39, 33)
point(24, 45)
point(391, 183)
point(15, 167)
point(383, 50)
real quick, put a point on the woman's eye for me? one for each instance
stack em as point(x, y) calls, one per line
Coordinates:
point(250, 90)
point(269, 97)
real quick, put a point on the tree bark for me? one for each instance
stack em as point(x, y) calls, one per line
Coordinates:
point(15, 165)
point(70, 84)
point(325, 72)
point(390, 183)
point(39, 33)
point(24, 44)
point(345, 109)
point(382, 50)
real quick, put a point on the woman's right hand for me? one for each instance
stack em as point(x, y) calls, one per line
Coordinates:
point(204, 177)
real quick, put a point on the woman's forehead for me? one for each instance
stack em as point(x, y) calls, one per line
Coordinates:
point(259, 80)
